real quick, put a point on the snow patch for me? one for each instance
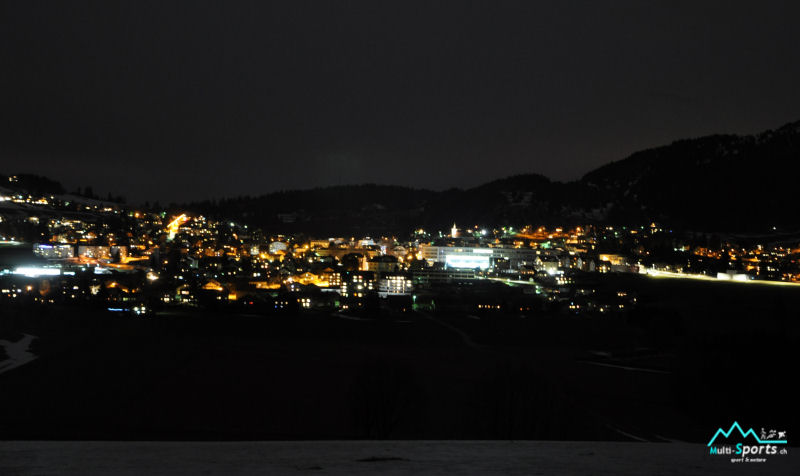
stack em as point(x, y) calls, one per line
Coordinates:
point(18, 353)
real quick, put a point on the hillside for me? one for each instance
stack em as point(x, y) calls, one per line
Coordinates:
point(714, 183)
point(721, 182)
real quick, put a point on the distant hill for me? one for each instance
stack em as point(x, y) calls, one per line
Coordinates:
point(713, 183)
point(340, 210)
point(721, 182)
point(33, 184)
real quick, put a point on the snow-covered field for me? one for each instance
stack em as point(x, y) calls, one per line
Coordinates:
point(375, 457)
point(18, 353)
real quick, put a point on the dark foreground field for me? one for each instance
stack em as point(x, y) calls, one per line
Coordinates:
point(385, 457)
point(693, 357)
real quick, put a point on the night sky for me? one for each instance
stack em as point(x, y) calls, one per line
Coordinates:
point(168, 101)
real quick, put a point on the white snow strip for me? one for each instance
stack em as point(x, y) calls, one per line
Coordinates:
point(352, 318)
point(626, 434)
point(624, 367)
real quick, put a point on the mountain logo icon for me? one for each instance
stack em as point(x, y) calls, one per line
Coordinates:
point(744, 434)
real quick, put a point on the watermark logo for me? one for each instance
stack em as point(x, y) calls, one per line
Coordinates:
point(748, 446)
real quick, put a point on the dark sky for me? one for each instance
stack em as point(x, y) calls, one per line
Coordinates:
point(180, 101)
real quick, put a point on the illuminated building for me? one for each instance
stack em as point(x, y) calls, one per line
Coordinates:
point(394, 284)
point(49, 251)
point(477, 256)
point(314, 244)
point(546, 263)
point(382, 264)
point(277, 247)
point(333, 277)
point(440, 275)
point(357, 284)
point(95, 252)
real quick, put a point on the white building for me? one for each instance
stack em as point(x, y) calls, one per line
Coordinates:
point(394, 284)
point(49, 251)
point(477, 256)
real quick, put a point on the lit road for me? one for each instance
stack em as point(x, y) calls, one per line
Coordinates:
point(652, 273)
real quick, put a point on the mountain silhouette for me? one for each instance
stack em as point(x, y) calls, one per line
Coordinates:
point(742, 183)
